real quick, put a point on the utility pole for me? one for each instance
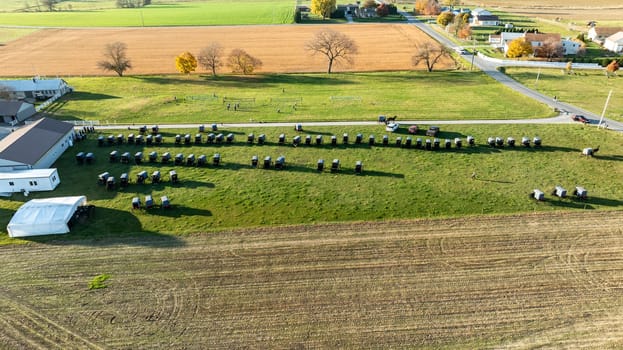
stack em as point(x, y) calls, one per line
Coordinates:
point(473, 53)
point(603, 113)
point(537, 78)
point(472, 65)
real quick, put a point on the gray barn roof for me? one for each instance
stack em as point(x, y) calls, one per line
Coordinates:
point(30, 143)
point(33, 84)
point(10, 107)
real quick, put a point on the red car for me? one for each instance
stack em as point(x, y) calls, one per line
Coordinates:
point(580, 118)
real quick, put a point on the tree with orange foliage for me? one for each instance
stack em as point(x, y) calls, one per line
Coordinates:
point(460, 27)
point(427, 7)
point(465, 32)
point(612, 68)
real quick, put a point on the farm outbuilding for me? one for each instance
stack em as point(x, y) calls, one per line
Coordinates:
point(36, 88)
point(13, 112)
point(30, 180)
point(44, 216)
point(35, 146)
point(614, 42)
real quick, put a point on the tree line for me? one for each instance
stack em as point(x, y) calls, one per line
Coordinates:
point(50, 5)
point(336, 47)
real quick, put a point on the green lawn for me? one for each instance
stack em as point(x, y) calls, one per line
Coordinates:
point(397, 182)
point(586, 89)
point(217, 12)
point(544, 26)
point(297, 97)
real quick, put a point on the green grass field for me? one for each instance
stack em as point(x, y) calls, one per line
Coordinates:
point(199, 99)
point(215, 12)
point(397, 182)
point(586, 89)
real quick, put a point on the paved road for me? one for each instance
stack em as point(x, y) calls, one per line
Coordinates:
point(490, 69)
point(560, 119)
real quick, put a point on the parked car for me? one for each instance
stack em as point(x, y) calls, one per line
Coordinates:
point(580, 118)
point(413, 129)
point(392, 127)
point(432, 131)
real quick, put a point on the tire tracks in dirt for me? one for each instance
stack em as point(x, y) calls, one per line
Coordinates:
point(31, 328)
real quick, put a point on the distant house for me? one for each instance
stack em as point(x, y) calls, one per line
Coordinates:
point(614, 42)
point(599, 34)
point(482, 17)
point(16, 111)
point(538, 39)
point(35, 88)
point(571, 47)
point(35, 146)
point(495, 39)
point(491, 20)
point(502, 40)
point(349, 9)
point(480, 11)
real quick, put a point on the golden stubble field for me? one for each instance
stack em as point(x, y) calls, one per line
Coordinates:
point(518, 282)
point(64, 52)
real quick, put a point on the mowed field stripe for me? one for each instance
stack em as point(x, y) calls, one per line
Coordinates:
point(505, 281)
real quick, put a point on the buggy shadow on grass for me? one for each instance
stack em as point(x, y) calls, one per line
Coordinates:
point(103, 229)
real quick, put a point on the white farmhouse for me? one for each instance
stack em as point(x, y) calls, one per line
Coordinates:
point(599, 34)
point(502, 40)
point(482, 17)
point(571, 47)
point(614, 42)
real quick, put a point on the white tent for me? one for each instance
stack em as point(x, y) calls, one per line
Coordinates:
point(44, 216)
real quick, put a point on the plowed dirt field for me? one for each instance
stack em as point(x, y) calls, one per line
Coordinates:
point(64, 52)
point(518, 282)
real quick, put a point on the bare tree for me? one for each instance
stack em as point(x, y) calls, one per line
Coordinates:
point(430, 54)
point(241, 62)
point(335, 45)
point(550, 49)
point(50, 4)
point(116, 58)
point(210, 57)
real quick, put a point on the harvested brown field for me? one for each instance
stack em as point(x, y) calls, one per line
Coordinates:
point(517, 282)
point(281, 48)
point(567, 10)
